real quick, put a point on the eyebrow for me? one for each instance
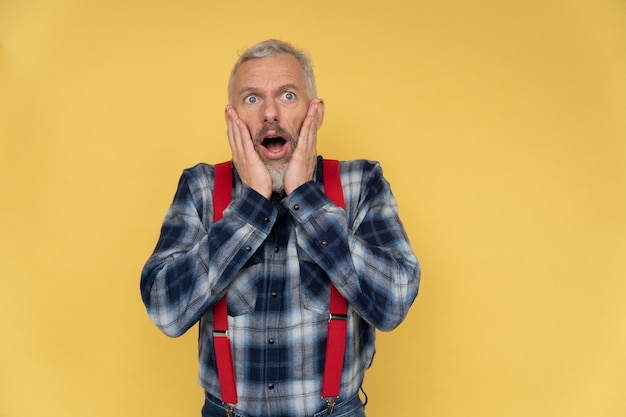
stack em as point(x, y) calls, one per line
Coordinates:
point(288, 86)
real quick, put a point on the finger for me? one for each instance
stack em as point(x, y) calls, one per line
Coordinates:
point(310, 126)
point(306, 123)
point(231, 131)
point(246, 146)
point(240, 136)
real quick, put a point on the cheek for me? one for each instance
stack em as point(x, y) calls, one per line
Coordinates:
point(297, 119)
point(245, 113)
point(250, 120)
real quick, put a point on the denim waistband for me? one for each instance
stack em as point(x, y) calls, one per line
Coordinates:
point(351, 407)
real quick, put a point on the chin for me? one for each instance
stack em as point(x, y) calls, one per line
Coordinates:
point(277, 170)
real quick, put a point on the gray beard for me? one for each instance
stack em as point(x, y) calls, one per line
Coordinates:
point(277, 169)
point(277, 173)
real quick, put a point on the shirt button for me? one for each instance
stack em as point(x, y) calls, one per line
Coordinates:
point(270, 386)
point(248, 248)
point(266, 220)
point(296, 207)
point(276, 250)
point(323, 243)
point(274, 294)
point(270, 341)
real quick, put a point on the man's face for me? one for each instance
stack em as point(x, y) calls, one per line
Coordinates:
point(270, 97)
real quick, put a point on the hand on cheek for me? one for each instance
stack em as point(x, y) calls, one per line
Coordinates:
point(302, 164)
point(250, 167)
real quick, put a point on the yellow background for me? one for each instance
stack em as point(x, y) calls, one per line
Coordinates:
point(501, 126)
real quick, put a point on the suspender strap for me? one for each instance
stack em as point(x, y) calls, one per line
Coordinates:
point(222, 194)
point(336, 343)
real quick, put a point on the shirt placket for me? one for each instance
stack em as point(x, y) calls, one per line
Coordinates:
point(275, 253)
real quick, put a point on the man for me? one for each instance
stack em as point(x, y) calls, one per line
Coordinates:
point(277, 249)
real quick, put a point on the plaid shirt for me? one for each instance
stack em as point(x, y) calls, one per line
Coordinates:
point(270, 258)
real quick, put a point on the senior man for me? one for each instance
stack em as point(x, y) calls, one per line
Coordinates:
point(287, 282)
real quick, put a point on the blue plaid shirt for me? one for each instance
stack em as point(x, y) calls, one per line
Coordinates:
point(269, 257)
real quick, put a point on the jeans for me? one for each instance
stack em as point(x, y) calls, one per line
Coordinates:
point(352, 407)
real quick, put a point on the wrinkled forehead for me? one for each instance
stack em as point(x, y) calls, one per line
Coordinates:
point(269, 72)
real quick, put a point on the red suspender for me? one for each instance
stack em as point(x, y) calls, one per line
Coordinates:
point(222, 194)
point(336, 343)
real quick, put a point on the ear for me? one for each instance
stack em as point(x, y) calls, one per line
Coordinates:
point(320, 113)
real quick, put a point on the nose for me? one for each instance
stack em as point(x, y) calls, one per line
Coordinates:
point(270, 112)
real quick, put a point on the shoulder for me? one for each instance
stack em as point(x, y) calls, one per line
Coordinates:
point(363, 184)
point(199, 170)
point(359, 165)
point(359, 171)
point(198, 179)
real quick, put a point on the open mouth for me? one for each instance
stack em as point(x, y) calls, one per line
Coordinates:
point(273, 143)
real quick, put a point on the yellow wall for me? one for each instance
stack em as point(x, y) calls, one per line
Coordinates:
point(500, 124)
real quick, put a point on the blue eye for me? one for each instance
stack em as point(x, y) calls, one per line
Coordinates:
point(250, 99)
point(289, 96)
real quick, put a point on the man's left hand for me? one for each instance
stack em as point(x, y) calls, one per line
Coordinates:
point(302, 164)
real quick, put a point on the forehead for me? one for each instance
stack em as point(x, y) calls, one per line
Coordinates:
point(268, 73)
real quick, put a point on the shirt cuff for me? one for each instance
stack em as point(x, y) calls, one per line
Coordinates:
point(254, 209)
point(305, 201)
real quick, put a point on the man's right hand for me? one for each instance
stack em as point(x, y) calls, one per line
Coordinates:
point(250, 167)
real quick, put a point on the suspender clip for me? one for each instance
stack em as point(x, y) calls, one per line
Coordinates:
point(332, 316)
point(330, 406)
point(220, 333)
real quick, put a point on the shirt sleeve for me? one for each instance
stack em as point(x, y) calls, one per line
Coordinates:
point(195, 260)
point(366, 253)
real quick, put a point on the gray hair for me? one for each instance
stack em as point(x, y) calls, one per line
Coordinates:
point(273, 47)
